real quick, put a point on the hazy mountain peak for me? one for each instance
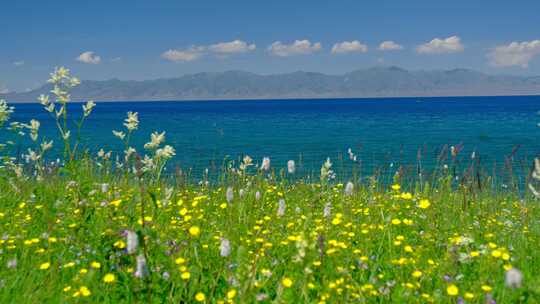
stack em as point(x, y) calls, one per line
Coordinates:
point(381, 81)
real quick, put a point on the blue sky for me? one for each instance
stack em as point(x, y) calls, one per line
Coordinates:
point(152, 39)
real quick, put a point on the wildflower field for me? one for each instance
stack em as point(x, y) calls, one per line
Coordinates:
point(93, 228)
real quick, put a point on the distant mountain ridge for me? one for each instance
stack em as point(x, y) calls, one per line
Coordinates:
point(373, 82)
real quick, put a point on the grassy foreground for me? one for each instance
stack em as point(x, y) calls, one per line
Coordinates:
point(89, 229)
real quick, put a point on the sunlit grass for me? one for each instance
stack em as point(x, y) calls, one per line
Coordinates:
point(90, 229)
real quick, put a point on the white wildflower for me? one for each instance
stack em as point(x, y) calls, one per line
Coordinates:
point(66, 135)
point(229, 195)
point(291, 167)
point(225, 247)
point(349, 188)
point(119, 134)
point(88, 107)
point(327, 210)
point(155, 140)
point(46, 145)
point(281, 207)
point(257, 196)
point(513, 278)
point(132, 240)
point(241, 193)
point(104, 188)
point(34, 129)
point(142, 268)
point(5, 112)
point(326, 171)
point(165, 152)
point(132, 121)
point(44, 100)
point(265, 164)
point(246, 162)
point(148, 164)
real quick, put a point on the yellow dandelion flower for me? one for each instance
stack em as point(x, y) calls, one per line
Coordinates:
point(286, 282)
point(45, 266)
point(109, 278)
point(486, 288)
point(231, 294)
point(95, 265)
point(180, 261)
point(417, 274)
point(496, 253)
point(185, 275)
point(200, 297)
point(469, 295)
point(119, 244)
point(194, 231)
point(452, 290)
point(84, 291)
point(424, 204)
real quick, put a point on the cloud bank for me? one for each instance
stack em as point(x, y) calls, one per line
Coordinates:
point(298, 47)
point(190, 54)
point(195, 52)
point(349, 47)
point(441, 46)
point(514, 54)
point(389, 46)
point(232, 47)
point(89, 58)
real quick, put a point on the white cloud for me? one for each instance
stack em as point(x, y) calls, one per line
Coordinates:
point(232, 47)
point(19, 63)
point(389, 46)
point(299, 47)
point(116, 59)
point(441, 46)
point(89, 58)
point(189, 54)
point(514, 54)
point(349, 47)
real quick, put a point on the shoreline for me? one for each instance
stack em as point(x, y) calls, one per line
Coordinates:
point(265, 99)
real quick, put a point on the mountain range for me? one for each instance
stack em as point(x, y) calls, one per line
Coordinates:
point(373, 82)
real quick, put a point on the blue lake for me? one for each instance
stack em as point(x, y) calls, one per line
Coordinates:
point(382, 132)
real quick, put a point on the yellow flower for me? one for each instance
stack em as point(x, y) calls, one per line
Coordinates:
point(474, 253)
point(116, 203)
point(185, 275)
point(231, 294)
point(424, 204)
point(85, 292)
point(200, 297)
point(180, 261)
point(194, 231)
point(120, 244)
point(286, 282)
point(452, 290)
point(417, 274)
point(95, 265)
point(396, 187)
point(406, 195)
point(469, 295)
point(109, 278)
point(486, 288)
point(496, 253)
point(45, 266)
point(396, 221)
